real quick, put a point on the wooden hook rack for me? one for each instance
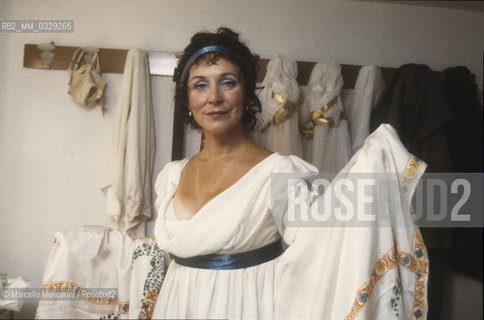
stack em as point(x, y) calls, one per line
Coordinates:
point(113, 60)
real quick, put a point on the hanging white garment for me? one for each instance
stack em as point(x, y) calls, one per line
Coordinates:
point(360, 101)
point(329, 149)
point(96, 272)
point(326, 273)
point(280, 101)
point(127, 181)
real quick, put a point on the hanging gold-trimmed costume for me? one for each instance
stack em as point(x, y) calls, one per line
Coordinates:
point(280, 102)
point(327, 142)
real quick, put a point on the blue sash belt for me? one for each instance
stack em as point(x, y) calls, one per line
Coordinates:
point(233, 261)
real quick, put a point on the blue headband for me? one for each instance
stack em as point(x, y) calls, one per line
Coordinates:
point(220, 49)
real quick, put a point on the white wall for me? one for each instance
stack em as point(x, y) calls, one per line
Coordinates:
point(52, 153)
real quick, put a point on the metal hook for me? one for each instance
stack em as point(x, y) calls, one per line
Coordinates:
point(47, 55)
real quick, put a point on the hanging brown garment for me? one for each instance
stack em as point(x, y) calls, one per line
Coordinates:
point(464, 134)
point(415, 106)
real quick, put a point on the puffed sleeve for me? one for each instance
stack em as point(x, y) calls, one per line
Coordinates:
point(347, 270)
point(290, 178)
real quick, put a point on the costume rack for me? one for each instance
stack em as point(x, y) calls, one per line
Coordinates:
point(113, 60)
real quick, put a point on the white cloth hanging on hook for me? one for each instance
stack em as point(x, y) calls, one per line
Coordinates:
point(279, 125)
point(360, 101)
point(322, 113)
point(127, 181)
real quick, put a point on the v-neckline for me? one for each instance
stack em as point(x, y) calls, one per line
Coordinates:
point(220, 193)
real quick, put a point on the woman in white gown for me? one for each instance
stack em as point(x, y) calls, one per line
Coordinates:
point(217, 221)
point(217, 81)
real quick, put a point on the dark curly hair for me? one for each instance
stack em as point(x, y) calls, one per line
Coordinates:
point(227, 38)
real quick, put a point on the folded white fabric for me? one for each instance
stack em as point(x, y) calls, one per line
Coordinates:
point(103, 273)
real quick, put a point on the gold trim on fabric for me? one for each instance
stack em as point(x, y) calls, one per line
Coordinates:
point(409, 173)
point(417, 262)
point(318, 118)
point(421, 278)
point(145, 239)
point(382, 266)
point(287, 109)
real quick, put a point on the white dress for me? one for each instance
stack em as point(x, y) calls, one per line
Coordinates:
point(324, 272)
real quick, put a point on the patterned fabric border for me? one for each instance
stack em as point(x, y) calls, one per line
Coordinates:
point(419, 307)
point(409, 173)
point(421, 276)
point(143, 238)
point(154, 278)
point(84, 294)
point(386, 263)
point(417, 263)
